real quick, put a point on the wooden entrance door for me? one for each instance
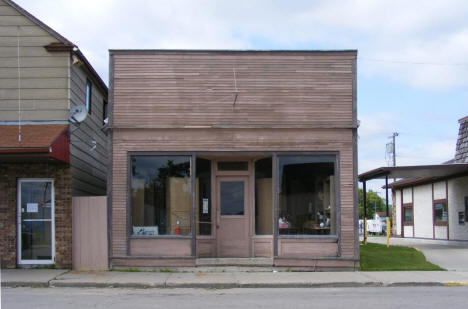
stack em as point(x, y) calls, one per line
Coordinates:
point(232, 216)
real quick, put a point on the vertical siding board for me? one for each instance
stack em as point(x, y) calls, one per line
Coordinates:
point(90, 233)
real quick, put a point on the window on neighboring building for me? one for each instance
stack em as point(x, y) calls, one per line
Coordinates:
point(466, 208)
point(88, 95)
point(306, 195)
point(161, 195)
point(105, 116)
point(408, 214)
point(440, 212)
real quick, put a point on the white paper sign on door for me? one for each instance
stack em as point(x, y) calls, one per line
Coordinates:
point(205, 205)
point(32, 207)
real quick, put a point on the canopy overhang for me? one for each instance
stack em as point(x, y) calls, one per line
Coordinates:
point(416, 171)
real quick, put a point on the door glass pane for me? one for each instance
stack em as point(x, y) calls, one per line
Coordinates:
point(232, 198)
point(36, 200)
point(36, 240)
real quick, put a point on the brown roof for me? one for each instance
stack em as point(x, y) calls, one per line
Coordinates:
point(32, 136)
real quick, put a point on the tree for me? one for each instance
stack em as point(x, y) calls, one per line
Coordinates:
point(374, 202)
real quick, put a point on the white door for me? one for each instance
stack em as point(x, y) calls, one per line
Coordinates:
point(35, 221)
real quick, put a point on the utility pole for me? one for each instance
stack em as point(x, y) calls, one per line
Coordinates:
point(391, 150)
point(395, 134)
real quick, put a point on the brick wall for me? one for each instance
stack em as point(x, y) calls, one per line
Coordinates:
point(63, 211)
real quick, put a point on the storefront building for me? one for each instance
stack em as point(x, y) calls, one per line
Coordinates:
point(45, 160)
point(245, 155)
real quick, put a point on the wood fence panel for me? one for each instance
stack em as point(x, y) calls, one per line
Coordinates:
point(90, 233)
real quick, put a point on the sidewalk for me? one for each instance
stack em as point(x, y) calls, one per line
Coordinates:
point(64, 278)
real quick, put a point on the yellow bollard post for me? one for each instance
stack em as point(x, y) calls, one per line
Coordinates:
point(365, 231)
point(388, 232)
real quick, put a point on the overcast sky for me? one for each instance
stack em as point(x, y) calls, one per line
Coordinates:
point(412, 55)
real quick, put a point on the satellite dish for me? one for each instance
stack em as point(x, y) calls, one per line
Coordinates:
point(77, 114)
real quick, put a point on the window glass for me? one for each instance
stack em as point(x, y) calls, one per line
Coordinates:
point(233, 166)
point(160, 195)
point(204, 196)
point(88, 96)
point(408, 214)
point(307, 195)
point(104, 112)
point(263, 197)
point(440, 212)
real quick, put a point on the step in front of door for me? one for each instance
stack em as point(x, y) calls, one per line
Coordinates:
point(235, 262)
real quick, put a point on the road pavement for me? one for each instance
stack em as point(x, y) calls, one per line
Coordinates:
point(349, 298)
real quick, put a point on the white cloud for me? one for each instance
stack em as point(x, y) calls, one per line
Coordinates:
point(413, 31)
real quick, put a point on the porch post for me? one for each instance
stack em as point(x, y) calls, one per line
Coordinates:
point(193, 179)
point(364, 203)
point(386, 194)
point(275, 205)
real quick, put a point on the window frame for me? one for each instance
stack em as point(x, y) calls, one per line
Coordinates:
point(439, 222)
point(323, 154)
point(89, 98)
point(404, 207)
point(192, 170)
point(275, 175)
point(105, 112)
point(19, 258)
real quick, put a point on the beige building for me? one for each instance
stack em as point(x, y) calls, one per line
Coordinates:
point(45, 159)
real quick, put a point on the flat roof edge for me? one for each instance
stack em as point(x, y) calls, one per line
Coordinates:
point(318, 51)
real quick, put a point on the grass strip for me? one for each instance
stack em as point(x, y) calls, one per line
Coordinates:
point(376, 257)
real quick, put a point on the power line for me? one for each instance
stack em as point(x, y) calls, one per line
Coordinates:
point(412, 62)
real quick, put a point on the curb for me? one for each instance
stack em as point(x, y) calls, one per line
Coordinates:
point(59, 284)
point(15, 284)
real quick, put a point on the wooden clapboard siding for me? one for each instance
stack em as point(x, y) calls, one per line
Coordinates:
point(230, 140)
point(197, 88)
point(49, 86)
point(43, 83)
point(89, 166)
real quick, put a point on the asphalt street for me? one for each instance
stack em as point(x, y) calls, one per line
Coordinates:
point(380, 297)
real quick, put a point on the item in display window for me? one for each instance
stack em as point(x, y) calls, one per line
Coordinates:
point(283, 223)
point(145, 230)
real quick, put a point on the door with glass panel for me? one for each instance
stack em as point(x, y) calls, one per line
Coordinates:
point(35, 221)
point(232, 217)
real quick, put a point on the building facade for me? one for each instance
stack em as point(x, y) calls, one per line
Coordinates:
point(45, 160)
point(233, 154)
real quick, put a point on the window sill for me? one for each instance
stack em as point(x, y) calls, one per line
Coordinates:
point(318, 238)
point(160, 236)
